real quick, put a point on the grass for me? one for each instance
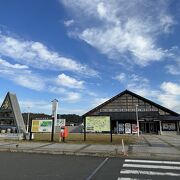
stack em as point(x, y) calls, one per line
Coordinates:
point(90, 138)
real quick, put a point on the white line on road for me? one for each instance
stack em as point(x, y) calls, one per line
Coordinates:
point(155, 162)
point(151, 166)
point(124, 171)
point(97, 169)
point(123, 178)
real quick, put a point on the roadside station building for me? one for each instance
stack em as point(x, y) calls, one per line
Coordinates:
point(127, 109)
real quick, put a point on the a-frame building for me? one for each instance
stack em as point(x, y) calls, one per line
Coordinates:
point(124, 109)
point(11, 120)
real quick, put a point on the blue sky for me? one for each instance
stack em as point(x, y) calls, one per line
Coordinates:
point(84, 52)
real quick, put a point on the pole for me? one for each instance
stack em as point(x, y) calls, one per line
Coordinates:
point(85, 129)
point(52, 134)
point(137, 120)
point(30, 138)
point(27, 128)
point(111, 129)
point(160, 128)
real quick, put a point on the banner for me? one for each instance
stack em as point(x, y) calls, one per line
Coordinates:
point(134, 128)
point(41, 125)
point(60, 122)
point(127, 128)
point(169, 126)
point(98, 124)
point(121, 128)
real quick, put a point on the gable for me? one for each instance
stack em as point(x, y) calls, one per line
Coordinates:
point(6, 105)
point(126, 102)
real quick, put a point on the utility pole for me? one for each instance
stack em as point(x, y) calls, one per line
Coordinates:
point(137, 120)
point(54, 117)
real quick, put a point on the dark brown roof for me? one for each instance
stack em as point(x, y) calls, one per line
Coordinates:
point(135, 95)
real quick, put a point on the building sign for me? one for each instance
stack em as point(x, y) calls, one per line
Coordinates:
point(44, 125)
point(127, 128)
point(128, 110)
point(169, 126)
point(134, 128)
point(121, 128)
point(98, 124)
point(60, 122)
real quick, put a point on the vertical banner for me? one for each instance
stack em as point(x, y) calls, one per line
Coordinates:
point(121, 128)
point(134, 128)
point(54, 111)
point(128, 128)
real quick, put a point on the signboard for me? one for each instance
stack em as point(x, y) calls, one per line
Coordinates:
point(60, 122)
point(121, 128)
point(54, 112)
point(98, 124)
point(134, 128)
point(169, 126)
point(44, 125)
point(127, 128)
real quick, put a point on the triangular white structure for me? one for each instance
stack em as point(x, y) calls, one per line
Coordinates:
point(10, 115)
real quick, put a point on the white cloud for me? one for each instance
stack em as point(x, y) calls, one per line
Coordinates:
point(37, 55)
point(132, 81)
point(14, 66)
point(101, 9)
point(72, 97)
point(67, 81)
point(36, 106)
point(120, 77)
point(20, 75)
point(124, 28)
point(174, 69)
point(24, 77)
point(56, 90)
point(98, 101)
point(69, 22)
point(171, 88)
point(170, 95)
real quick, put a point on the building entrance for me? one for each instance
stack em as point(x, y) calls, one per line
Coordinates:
point(148, 127)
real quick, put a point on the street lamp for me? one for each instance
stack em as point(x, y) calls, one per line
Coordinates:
point(137, 120)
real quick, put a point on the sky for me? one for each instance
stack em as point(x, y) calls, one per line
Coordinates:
point(83, 52)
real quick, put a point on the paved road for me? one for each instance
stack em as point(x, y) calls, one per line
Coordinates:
point(24, 166)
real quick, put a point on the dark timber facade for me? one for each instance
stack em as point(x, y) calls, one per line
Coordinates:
point(127, 108)
point(11, 120)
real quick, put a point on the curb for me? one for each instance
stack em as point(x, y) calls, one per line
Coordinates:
point(96, 154)
point(152, 156)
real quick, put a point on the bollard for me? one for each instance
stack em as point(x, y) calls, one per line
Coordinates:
point(123, 149)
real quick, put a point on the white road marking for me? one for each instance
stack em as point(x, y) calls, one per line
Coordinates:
point(124, 171)
point(152, 166)
point(124, 178)
point(97, 169)
point(155, 162)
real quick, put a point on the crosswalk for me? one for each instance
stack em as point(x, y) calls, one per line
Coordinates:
point(149, 169)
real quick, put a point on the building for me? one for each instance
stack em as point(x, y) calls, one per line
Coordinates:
point(127, 109)
point(11, 120)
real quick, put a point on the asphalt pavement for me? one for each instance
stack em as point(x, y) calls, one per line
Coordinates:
point(28, 166)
